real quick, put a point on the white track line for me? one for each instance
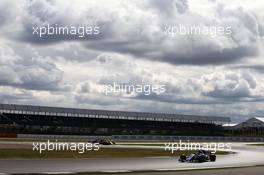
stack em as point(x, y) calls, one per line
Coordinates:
point(117, 171)
point(203, 168)
point(54, 172)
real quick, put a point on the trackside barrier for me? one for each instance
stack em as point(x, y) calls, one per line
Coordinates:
point(190, 138)
point(53, 137)
point(146, 137)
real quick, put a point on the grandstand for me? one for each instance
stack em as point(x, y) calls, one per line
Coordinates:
point(28, 119)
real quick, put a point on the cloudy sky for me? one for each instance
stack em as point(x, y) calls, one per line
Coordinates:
point(208, 75)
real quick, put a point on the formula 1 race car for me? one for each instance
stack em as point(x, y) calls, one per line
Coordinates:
point(104, 141)
point(199, 156)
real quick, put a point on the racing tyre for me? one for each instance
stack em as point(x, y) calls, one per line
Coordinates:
point(212, 157)
point(183, 158)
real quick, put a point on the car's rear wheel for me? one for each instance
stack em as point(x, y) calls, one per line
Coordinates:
point(212, 158)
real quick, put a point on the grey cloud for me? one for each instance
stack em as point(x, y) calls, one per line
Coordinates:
point(236, 92)
point(39, 13)
point(178, 99)
point(7, 12)
point(97, 101)
point(181, 5)
point(169, 6)
point(201, 55)
point(257, 68)
point(34, 78)
point(85, 88)
point(16, 98)
point(134, 30)
point(67, 51)
point(187, 50)
point(250, 79)
point(134, 36)
point(229, 85)
point(35, 73)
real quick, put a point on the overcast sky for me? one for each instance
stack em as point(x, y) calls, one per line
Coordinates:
point(207, 75)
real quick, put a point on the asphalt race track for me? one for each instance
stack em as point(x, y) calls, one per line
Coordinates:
point(245, 156)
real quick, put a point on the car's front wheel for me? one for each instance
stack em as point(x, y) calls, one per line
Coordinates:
point(182, 158)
